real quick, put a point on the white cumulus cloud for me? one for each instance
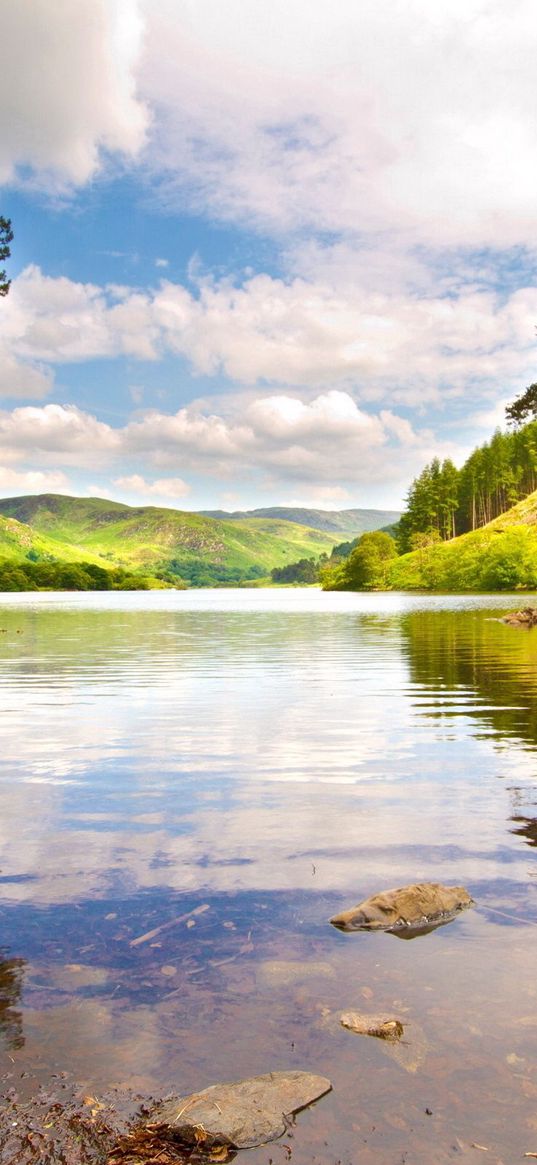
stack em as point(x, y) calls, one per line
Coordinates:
point(21, 378)
point(56, 434)
point(325, 441)
point(13, 481)
point(67, 89)
point(163, 487)
point(59, 319)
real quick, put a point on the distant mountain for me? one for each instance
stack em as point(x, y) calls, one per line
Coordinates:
point(341, 522)
point(199, 549)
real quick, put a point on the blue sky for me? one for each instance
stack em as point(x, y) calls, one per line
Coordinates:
point(263, 254)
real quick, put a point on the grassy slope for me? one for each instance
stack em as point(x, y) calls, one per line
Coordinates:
point(17, 540)
point(149, 537)
point(499, 556)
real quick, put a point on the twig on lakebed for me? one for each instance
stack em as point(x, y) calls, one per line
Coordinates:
point(512, 917)
point(144, 938)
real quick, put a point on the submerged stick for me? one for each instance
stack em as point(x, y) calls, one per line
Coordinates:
point(144, 938)
point(512, 917)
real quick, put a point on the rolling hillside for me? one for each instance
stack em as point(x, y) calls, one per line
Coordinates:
point(190, 546)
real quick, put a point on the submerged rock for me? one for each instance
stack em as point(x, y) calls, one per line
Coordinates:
point(409, 910)
point(409, 1051)
point(525, 618)
point(380, 1026)
point(239, 1115)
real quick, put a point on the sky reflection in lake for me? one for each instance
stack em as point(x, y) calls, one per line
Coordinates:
point(274, 756)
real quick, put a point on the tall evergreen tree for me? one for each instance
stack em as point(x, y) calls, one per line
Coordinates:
point(6, 237)
point(444, 501)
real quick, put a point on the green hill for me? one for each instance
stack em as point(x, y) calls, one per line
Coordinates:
point(20, 543)
point(500, 556)
point(349, 523)
point(174, 543)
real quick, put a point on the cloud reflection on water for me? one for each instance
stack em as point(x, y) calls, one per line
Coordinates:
point(213, 749)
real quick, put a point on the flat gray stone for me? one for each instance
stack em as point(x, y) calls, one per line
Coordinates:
point(241, 1114)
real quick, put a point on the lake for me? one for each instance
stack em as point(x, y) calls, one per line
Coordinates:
point(192, 783)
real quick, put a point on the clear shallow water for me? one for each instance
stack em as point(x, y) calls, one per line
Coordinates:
point(274, 756)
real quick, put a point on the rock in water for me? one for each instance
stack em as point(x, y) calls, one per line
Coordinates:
point(408, 909)
point(525, 618)
point(240, 1115)
point(381, 1026)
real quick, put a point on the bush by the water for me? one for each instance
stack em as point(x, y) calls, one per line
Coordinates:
point(65, 576)
point(305, 571)
point(367, 568)
point(197, 573)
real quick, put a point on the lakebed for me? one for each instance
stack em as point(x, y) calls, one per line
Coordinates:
point(250, 763)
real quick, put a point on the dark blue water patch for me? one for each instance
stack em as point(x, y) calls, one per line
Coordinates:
point(116, 791)
point(161, 861)
point(67, 928)
point(16, 879)
point(207, 860)
point(111, 825)
point(130, 939)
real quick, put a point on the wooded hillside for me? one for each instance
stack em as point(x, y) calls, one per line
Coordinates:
point(447, 501)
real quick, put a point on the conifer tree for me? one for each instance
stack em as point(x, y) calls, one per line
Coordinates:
point(6, 237)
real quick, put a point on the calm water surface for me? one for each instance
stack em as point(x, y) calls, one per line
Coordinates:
point(274, 757)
